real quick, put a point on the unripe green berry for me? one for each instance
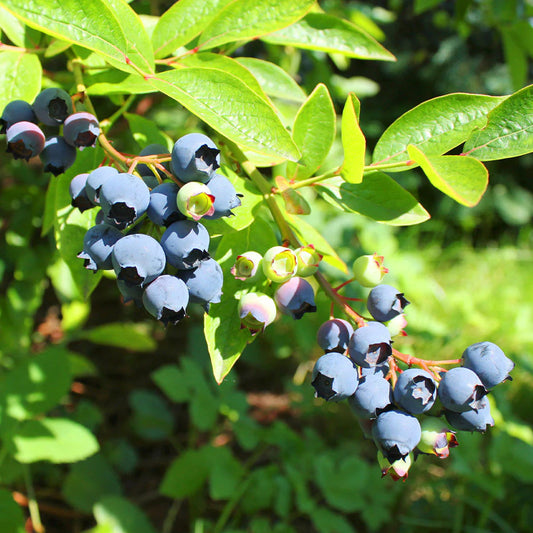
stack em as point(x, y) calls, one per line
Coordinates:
point(247, 266)
point(256, 311)
point(280, 264)
point(398, 469)
point(397, 325)
point(308, 260)
point(195, 200)
point(368, 270)
point(437, 438)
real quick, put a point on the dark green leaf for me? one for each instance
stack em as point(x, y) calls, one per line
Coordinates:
point(121, 515)
point(434, 126)
point(378, 197)
point(261, 17)
point(172, 381)
point(318, 31)
point(129, 336)
point(353, 142)
point(11, 516)
point(508, 132)
point(186, 475)
point(463, 178)
point(327, 521)
point(146, 131)
point(151, 417)
point(225, 475)
point(20, 77)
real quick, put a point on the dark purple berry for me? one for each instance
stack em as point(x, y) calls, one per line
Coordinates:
point(373, 395)
point(295, 298)
point(57, 155)
point(195, 157)
point(79, 194)
point(460, 390)
point(186, 244)
point(96, 179)
point(98, 245)
point(396, 434)
point(52, 106)
point(489, 362)
point(385, 302)
point(415, 391)
point(16, 111)
point(81, 130)
point(24, 140)
point(477, 420)
point(334, 335)
point(334, 377)
point(370, 345)
point(166, 299)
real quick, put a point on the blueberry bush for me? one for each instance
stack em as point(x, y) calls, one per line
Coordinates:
point(198, 181)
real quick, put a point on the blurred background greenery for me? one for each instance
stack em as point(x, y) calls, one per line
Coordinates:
point(259, 453)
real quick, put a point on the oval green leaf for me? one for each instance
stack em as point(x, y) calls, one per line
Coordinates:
point(353, 141)
point(18, 33)
point(317, 31)
point(378, 197)
point(434, 126)
point(313, 132)
point(229, 107)
point(20, 77)
point(244, 20)
point(109, 27)
point(130, 336)
point(462, 178)
point(171, 33)
point(508, 132)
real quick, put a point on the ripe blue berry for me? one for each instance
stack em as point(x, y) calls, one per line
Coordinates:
point(370, 345)
point(24, 140)
point(334, 335)
point(57, 155)
point(96, 179)
point(16, 111)
point(138, 259)
point(131, 293)
point(385, 302)
point(195, 157)
point(78, 193)
point(473, 420)
point(52, 106)
point(489, 362)
point(415, 391)
point(186, 244)
point(373, 395)
point(396, 434)
point(124, 198)
point(334, 377)
point(81, 129)
point(226, 197)
point(460, 390)
point(166, 299)
point(163, 209)
point(295, 298)
point(152, 149)
point(204, 282)
point(98, 244)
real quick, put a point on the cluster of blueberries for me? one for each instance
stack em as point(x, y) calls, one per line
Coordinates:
point(162, 275)
point(359, 365)
point(31, 129)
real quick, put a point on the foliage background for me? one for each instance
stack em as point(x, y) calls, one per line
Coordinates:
point(258, 453)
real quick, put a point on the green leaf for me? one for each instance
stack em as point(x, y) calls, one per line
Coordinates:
point(57, 440)
point(173, 382)
point(245, 20)
point(515, 57)
point(129, 336)
point(353, 142)
point(151, 417)
point(225, 475)
point(313, 132)
point(327, 521)
point(295, 203)
point(508, 132)
point(147, 132)
point(11, 516)
point(273, 79)
point(121, 516)
point(378, 197)
point(171, 33)
point(222, 328)
point(434, 126)
point(20, 77)
point(463, 178)
point(18, 33)
point(37, 384)
point(109, 27)
point(318, 31)
point(227, 64)
point(88, 481)
point(116, 82)
point(186, 475)
point(230, 107)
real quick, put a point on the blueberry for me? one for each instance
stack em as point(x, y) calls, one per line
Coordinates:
point(460, 390)
point(152, 149)
point(334, 377)
point(378, 370)
point(24, 140)
point(396, 434)
point(78, 193)
point(186, 244)
point(138, 259)
point(370, 345)
point(166, 299)
point(52, 106)
point(131, 293)
point(124, 198)
point(415, 391)
point(57, 155)
point(334, 335)
point(195, 157)
point(96, 179)
point(373, 395)
point(163, 209)
point(226, 197)
point(489, 362)
point(98, 244)
point(16, 111)
point(477, 420)
point(256, 311)
point(81, 130)
point(204, 282)
point(295, 298)
point(385, 302)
